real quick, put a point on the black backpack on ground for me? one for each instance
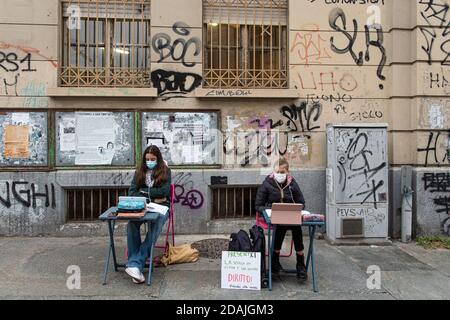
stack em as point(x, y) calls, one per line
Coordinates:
point(240, 242)
point(259, 245)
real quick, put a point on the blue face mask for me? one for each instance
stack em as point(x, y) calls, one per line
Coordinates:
point(151, 164)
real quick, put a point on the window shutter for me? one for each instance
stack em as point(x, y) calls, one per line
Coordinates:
point(250, 12)
point(112, 9)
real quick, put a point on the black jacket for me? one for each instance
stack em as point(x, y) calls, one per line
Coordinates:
point(269, 193)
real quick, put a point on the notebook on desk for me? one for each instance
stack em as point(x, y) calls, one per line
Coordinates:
point(286, 214)
point(154, 207)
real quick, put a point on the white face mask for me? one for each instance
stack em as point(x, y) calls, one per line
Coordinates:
point(280, 177)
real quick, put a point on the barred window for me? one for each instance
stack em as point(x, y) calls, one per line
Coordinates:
point(246, 43)
point(106, 43)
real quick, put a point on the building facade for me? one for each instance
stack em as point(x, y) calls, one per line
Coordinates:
point(223, 87)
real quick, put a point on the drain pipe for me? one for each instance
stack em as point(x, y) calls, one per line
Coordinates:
point(407, 196)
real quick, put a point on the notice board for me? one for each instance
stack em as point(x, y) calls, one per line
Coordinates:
point(24, 139)
point(95, 138)
point(184, 138)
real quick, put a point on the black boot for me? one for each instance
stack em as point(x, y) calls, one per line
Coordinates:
point(276, 266)
point(301, 268)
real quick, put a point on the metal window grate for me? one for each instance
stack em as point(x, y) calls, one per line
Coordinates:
point(86, 205)
point(245, 43)
point(233, 202)
point(105, 43)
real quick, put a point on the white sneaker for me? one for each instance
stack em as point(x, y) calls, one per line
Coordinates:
point(136, 282)
point(136, 274)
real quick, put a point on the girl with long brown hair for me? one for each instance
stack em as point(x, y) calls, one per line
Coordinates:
point(152, 180)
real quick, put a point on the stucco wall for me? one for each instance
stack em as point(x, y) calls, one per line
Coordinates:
point(340, 72)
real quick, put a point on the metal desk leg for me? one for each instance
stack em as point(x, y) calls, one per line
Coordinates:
point(312, 232)
point(150, 267)
point(274, 231)
point(270, 256)
point(108, 255)
point(308, 257)
point(111, 226)
point(272, 247)
point(150, 260)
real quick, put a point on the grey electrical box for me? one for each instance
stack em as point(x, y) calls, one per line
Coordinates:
point(357, 182)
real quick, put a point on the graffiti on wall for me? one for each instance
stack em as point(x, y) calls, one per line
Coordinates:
point(185, 193)
point(342, 87)
point(176, 84)
point(27, 51)
point(361, 163)
point(172, 84)
point(327, 81)
point(119, 179)
point(437, 80)
point(369, 111)
point(257, 140)
point(252, 147)
point(310, 46)
point(179, 48)
point(335, 90)
point(338, 22)
point(437, 149)
point(350, 2)
point(27, 195)
point(373, 218)
point(11, 65)
point(296, 117)
point(26, 205)
point(438, 185)
point(435, 14)
point(15, 62)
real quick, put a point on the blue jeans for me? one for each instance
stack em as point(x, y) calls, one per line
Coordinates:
point(138, 251)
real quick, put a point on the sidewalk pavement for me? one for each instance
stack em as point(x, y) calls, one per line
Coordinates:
point(36, 268)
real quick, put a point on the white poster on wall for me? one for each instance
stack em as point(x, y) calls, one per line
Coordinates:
point(155, 126)
point(67, 134)
point(155, 141)
point(192, 154)
point(95, 138)
point(436, 117)
point(241, 270)
point(20, 118)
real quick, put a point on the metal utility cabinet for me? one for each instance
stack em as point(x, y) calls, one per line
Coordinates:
point(357, 183)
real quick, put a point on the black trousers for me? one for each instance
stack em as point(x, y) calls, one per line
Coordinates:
point(297, 236)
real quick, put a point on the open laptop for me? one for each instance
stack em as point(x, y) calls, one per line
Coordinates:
point(287, 214)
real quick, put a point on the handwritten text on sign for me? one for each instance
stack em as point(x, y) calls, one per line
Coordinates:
point(241, 270)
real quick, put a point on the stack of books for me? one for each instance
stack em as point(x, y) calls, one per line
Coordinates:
point(131, 215)
point(312, 217)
